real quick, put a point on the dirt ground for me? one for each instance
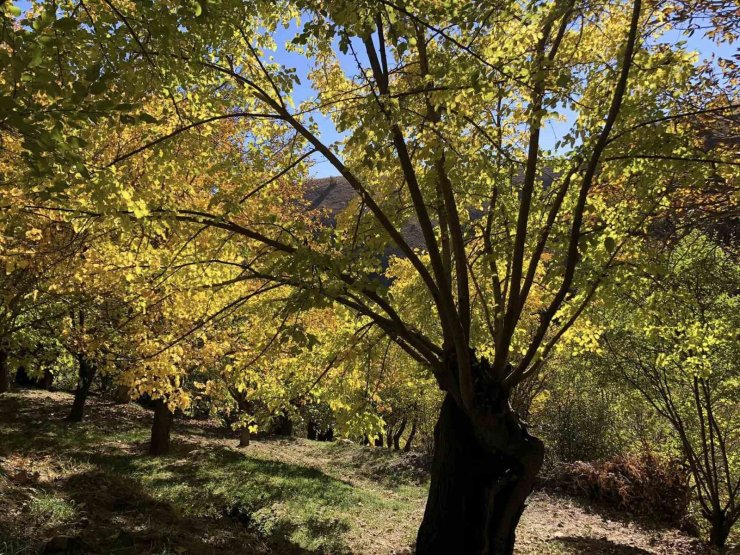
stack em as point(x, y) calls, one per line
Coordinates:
point(93, 483)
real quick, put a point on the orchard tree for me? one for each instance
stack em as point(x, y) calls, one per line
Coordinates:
point(443, 109)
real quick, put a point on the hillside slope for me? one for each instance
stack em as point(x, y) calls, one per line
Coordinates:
point(94, 483)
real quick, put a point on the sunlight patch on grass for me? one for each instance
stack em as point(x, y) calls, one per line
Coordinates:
point(52, 509)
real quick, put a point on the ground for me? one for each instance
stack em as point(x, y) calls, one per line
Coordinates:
point(94, 482)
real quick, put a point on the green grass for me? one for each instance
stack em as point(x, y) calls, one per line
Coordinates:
point(51, 508)
point(291, 506)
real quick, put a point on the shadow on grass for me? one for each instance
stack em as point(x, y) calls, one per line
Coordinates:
point(599, 546)
point(197, 500)
point(276, 501)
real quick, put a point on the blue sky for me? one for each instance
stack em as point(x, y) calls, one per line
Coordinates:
point(550, 134)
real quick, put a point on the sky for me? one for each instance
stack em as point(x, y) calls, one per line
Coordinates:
point(550, 134)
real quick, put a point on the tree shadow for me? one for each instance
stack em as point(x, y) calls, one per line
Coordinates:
point(599, 546)
point(256, 487)
point(200, 499)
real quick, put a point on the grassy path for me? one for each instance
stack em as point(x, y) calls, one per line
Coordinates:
point(94, 481)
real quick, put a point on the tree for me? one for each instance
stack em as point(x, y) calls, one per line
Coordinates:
point(678, 347)
point(443, 108)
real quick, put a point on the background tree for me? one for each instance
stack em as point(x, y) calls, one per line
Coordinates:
point(679, 349)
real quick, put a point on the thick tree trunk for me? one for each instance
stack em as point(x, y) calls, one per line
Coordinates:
point(86, 375)
point(312, 430)
point(720, 530)
point(379, 440)
point(481, 478)
point(410, 440)
point(160, 441)
point(398, 434)
point(244, 437)
point(4, 372)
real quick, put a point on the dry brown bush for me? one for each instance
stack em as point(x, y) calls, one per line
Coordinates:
point(645, 485)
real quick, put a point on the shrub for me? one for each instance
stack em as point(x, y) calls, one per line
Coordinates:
point(646, 485)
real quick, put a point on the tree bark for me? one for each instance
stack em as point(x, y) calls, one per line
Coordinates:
point(4, 372)
point(410, 440)
point(282, 425)
point(398, 434)
point(720, 530)
point(327, 435)
point(481, 477)
point(86, 372)
point(161, 426)
point(379, 440)
point(122, 395)
point(244, 437)
point(312, 430)
point(22, 379)
point(47, 380)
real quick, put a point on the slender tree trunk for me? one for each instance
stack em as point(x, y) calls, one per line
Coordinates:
point(244, 437)
point(412, 435)
point(389, 436)
point(47, 380)
point(481, 478)
point(160, 441)
point(245, 407)
point(122, 395)
point(282, 425)
point(398, 434)
point(22, 379)
point(86, 375)
point(720, 530)
point(4, 372)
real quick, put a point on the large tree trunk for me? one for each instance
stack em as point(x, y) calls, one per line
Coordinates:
point(160, 441)
point(86, 375)
point(4, 372)
point(481, 478)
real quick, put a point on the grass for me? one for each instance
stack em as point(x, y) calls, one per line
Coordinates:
point(51, 509)
point(252, 497)
point(95, 481)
